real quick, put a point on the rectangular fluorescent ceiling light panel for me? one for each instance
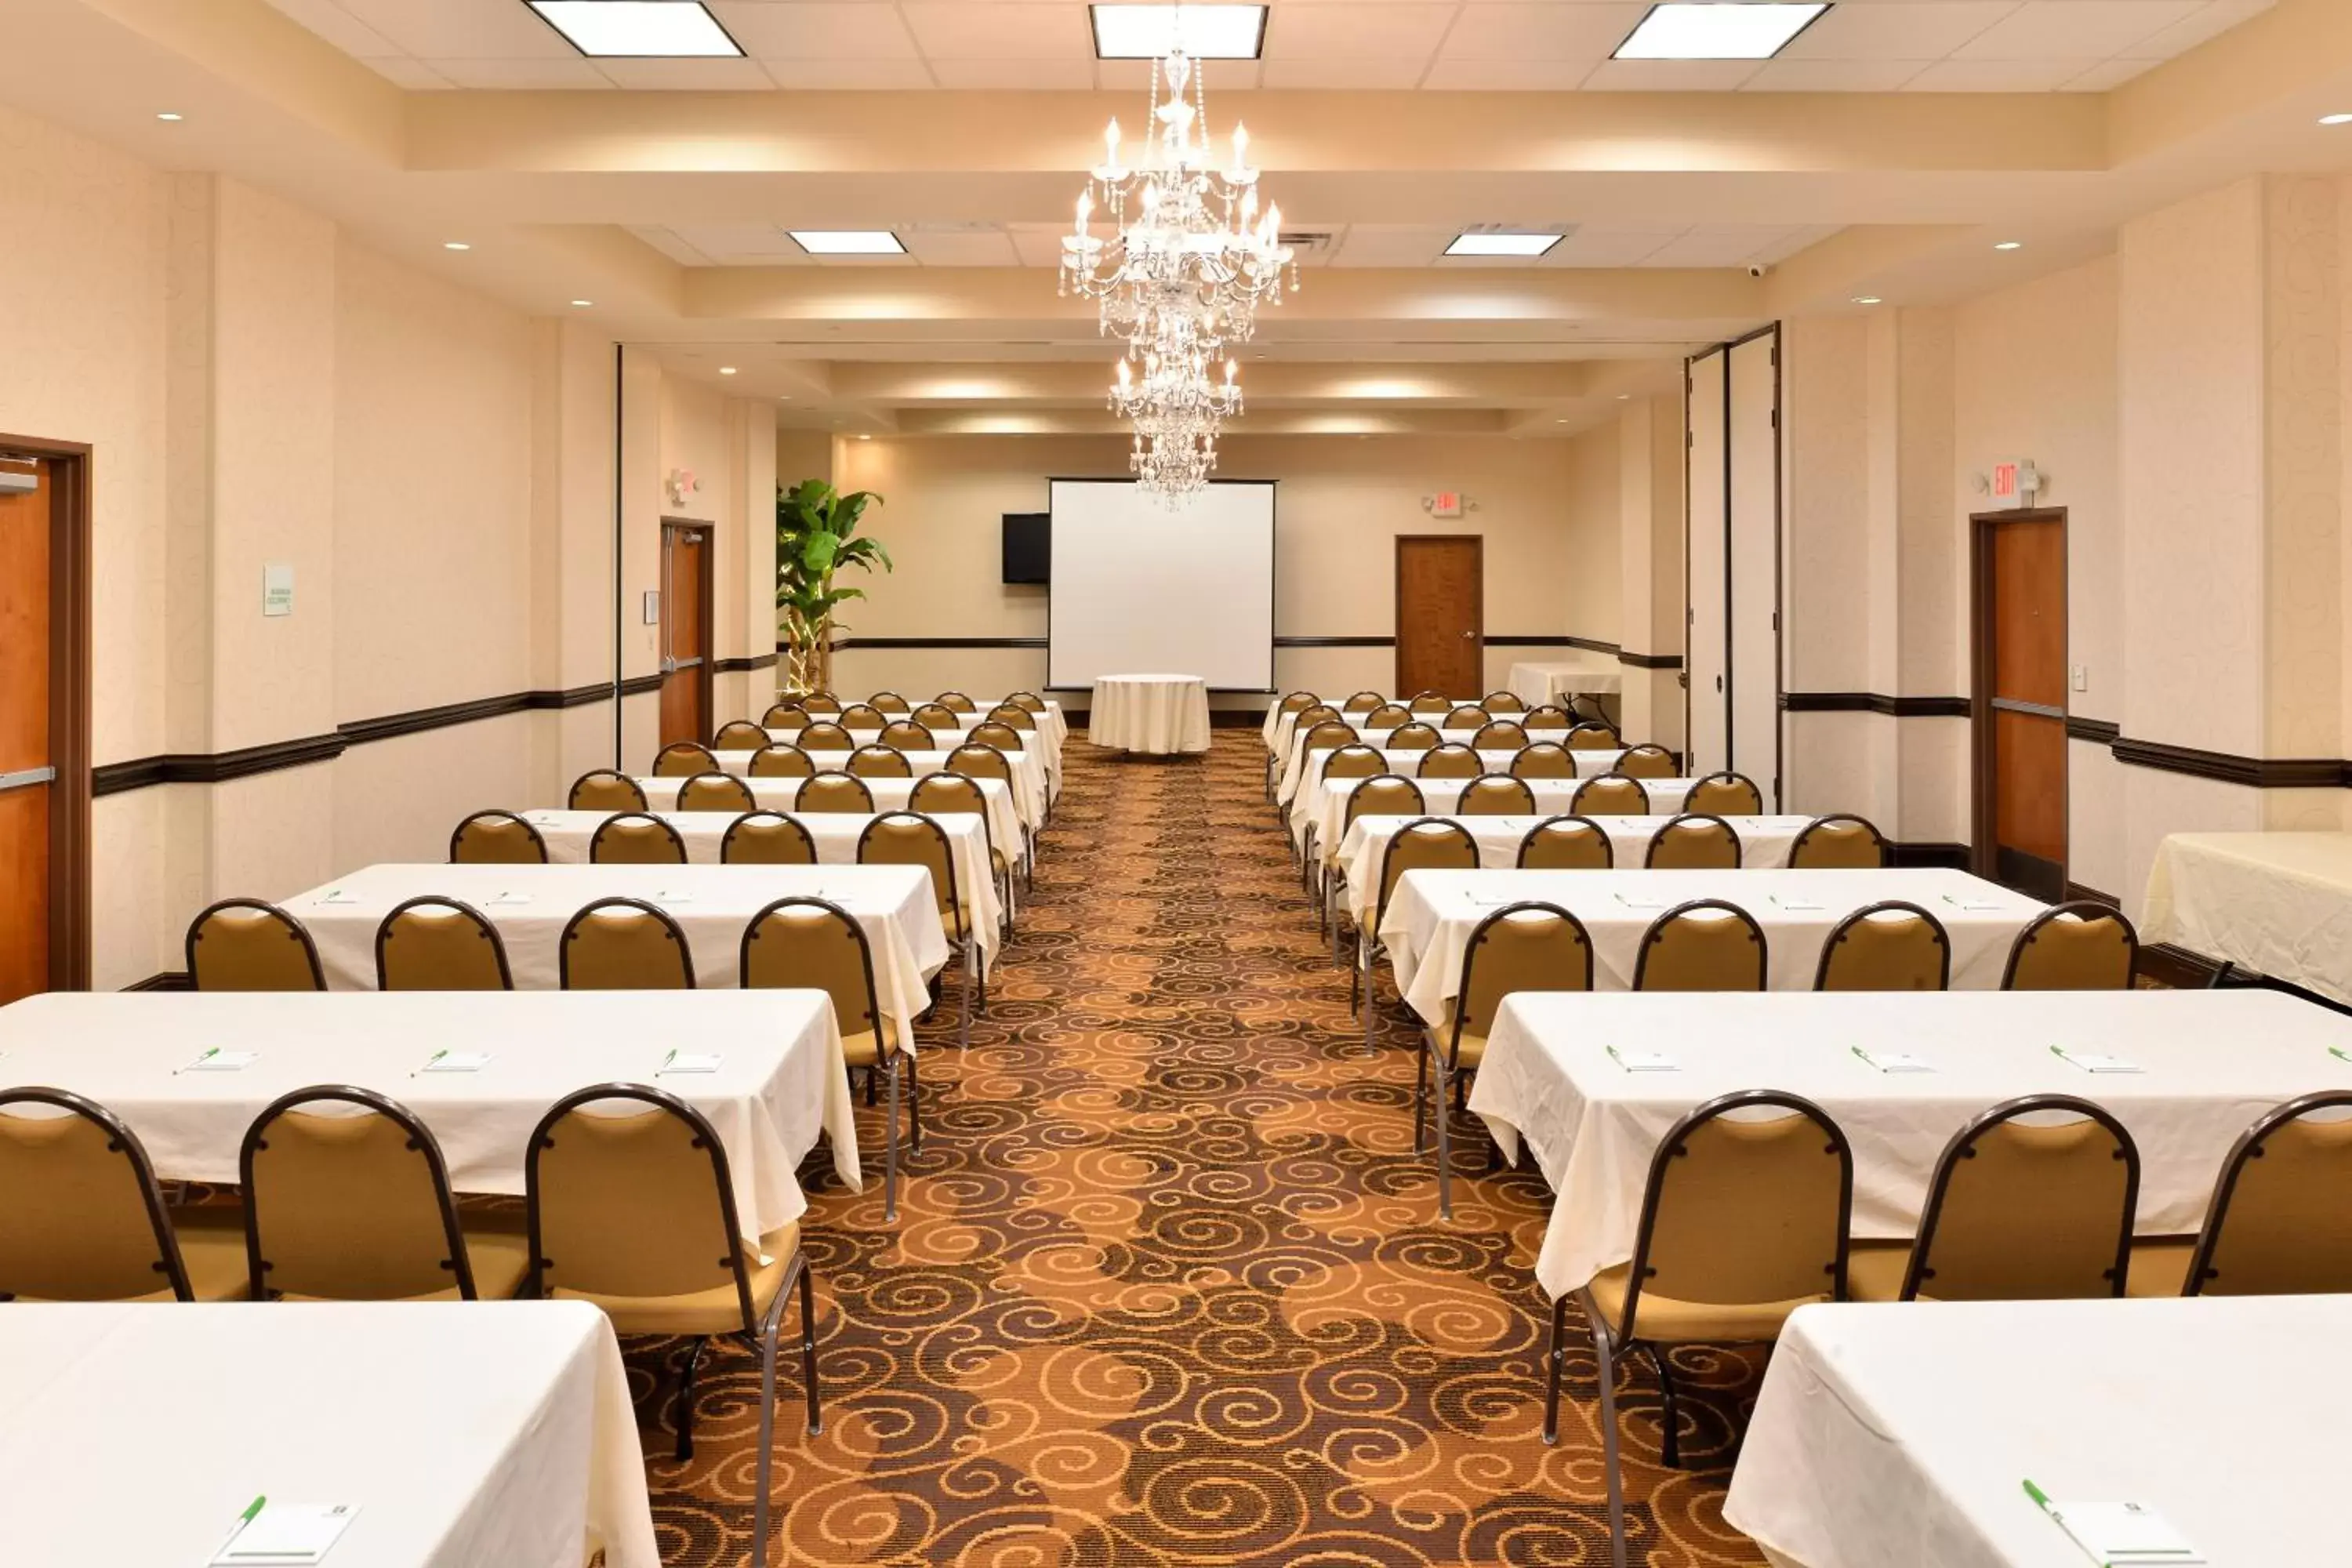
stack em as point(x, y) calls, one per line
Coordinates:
point(1204, 32)
point(1501, 244)
point(847, 241)
point(1718, 30)
point(640, 29)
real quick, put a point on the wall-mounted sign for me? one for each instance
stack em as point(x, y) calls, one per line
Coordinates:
point(278, 589)
point(2014, 483)
point(1445, 503)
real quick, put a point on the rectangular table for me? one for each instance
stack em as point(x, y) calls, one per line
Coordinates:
point(1904, 1435)
point(1048, 741)
point(567, 834)
point(465, 1434)
point(889, 794)
point(1537, 684)
point(2214, 1060)
point(1296, 770)
point(2278, 904)
point(1030, 793)
point(1764, 844)
point(1326, 808)
point(1279, 726)
point(782, 1082)
point(1431, 914)
point(530, 905)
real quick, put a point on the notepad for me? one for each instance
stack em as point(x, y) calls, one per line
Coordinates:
point(1976, 906)
point(667, 896)
point(1894, 1061)
point(1643, 1061)
point(285, 1533)
point(2095, 1061)
point(2124, 1534)
point(510, 897)
point(1797, 906)
point(337, 896)
point(690, 1061)
point(455, 1061)
point(1643, 903)
point(1491, 900)
point(219, 1061)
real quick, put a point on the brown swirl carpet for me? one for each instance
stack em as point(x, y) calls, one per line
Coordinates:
point(1168, 1285)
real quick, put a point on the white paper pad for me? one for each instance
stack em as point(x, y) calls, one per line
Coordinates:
point(289, 1533)
point(1643, 1061)
point(1894, 1061)
point(2095, 1061)
point(1799, 906)
point(456, 1061)
point(510, 898)
point(2124, 1534)
point(337, 896)
point(217, 1060)
point(690, 1061)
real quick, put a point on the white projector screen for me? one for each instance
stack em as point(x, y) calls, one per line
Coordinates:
point(1141, 590)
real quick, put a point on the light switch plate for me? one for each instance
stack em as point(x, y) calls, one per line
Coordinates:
point(2082, 674)
point(652, 607)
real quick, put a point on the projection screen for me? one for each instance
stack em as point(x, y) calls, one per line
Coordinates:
point(1141, 590)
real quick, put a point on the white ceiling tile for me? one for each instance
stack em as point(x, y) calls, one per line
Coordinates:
point(1998, 75)
point(2217, 18)
point(464, 29)
point(1371, 75)
point(1390, 245)
point(669, 244)
point(2074, 29)
point(1547, 32)
point(1608, 246)
point(1325, 32)
point(868, 76)
point(840, 30)
point(1721, 244)
point(1669, 75)
point(687, 76)
point(2108, 75)
point(1832, 76)
point(338, 27)
point(520, 75)
point(402, 71)
point(1508, 76)
point(1906, 31)
point(1017, 75)
point(976, 247)
point(1132, 76)
point(953, 30)
point(729, 242)
point(1037, 244)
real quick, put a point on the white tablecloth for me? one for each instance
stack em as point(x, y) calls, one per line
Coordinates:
point(2214, 1061)
point(782, 1083)
point(1323, 806)
point(1031, 791)
point(1296, 770)
point(1764, 844)
point(1279, 726)
point(2277, 903)
point(1901, 1435)
point(1537, 684)
point(1048, 745)
point(567, 834)
point(713, 905)
point(1431, 914)
point(889, 794)
point(1158, 714)
point(465, 1434)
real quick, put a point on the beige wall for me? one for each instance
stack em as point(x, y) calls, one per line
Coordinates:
point(1549, 511)
point(259, 386)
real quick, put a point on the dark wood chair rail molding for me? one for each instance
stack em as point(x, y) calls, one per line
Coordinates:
point(219, 767)
point(744, 666)
point(2098, 732)
point(1875, 702)
point(2258, 773)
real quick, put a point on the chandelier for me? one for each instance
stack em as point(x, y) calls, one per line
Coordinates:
point(1180, 279)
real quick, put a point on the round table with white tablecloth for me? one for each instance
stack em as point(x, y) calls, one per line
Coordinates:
point(1156, 714)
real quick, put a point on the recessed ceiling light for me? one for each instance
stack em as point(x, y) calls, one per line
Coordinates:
point(1501, 244)
point(1714, 31)
point(584, 304)
point(863, 436)
point(454, 244)
point(1624, 398)
point(847, 241)
point(1205, 32)
point(1868, 299)
point(727, 370)
point(175, 119)
point(2324, 120)
point(2011, 245)
point(651, 29)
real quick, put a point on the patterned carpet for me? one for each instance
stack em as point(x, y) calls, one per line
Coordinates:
point(1168, 1285)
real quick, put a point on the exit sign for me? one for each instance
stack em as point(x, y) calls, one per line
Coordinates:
point(2014, 483)
point(1445, 503)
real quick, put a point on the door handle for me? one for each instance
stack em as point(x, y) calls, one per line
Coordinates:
point(1468, 635)
point(1718, 683)
point(25, 778)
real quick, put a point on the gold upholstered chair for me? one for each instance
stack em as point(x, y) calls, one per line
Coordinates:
point(1838, 843)
point(635, 838)
point(1886, 946)
point(1693, 842)
point(623, 944)
point(766, 838)
point(497, 838)
point(2080, 946)
point(436, 944)
point(683, 759)
point(1567, 843)
point(246, 944)
point(716, 792)
point(1705, 944)
point(601, 789)
point(1726, 794)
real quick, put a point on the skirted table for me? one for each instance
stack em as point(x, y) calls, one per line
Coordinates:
point(1159, 715)
point(2278, 904)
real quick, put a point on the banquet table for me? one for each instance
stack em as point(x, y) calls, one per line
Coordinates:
point(1048, 743)
point(713, 904)
point(462, 1433)
point(1325, 811)
point(1431, 914)
point(889, 794)
point(2212, 1061)
point(1296, 770)
point(1156, 715)
point(1895, 1434)
point(1031, 791)
point(1280, 727)
point(1537, 684)
point(2278, 904)
point(780, 1080)
point(567, 834)
point(1764, 844)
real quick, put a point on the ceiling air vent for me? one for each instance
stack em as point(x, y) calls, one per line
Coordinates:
point(1308, 241)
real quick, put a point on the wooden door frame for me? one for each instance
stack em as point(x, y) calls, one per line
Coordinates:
point(70, 703)
point(1983, 851)
point(706, 590)
point(1478, 544)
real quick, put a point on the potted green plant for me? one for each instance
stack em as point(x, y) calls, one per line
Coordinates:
point(815, 523)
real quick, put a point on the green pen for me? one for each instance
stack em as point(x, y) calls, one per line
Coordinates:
point(2041, 1498)
point(429, 1061)
point(665, 1061)
point(2340, 1053)
point(200, 1061)
point(242, 1521)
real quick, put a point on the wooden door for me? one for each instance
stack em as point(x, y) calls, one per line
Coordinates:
point(2020, 700)
point(27, 762)
point(1441, 613)
point(686, 633)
